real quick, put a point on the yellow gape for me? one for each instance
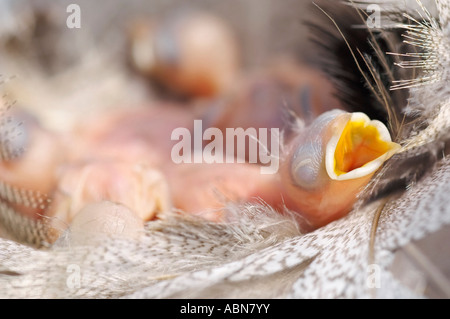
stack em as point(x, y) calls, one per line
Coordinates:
point(361, 148)
point(359, 144)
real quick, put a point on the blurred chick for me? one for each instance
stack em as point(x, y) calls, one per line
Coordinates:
point(191, 53)
point(124, 157)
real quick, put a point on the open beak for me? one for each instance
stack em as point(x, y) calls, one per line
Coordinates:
point(359, 149)
point(328, 165)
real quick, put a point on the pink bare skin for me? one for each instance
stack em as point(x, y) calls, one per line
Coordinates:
point(124, 157)
point(142, 137)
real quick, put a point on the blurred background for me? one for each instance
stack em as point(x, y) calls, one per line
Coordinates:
point(262, 26)
point(66, 73)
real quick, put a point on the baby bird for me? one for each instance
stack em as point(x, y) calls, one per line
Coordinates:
point(190, 53)
point(389, 245)
point(126, 158)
